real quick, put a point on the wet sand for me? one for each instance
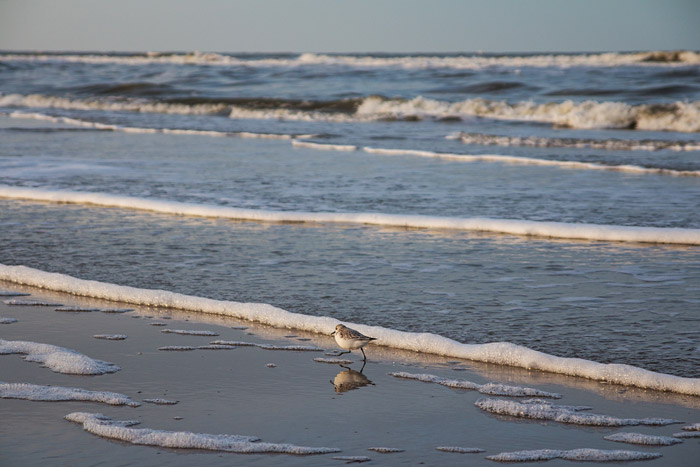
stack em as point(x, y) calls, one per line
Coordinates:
point(237, 391)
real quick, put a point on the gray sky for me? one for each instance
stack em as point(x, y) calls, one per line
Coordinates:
point(350, 26)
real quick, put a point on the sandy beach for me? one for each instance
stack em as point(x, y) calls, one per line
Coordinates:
point(283, 396)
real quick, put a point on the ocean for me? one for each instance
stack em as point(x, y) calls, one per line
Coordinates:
point(544, 200)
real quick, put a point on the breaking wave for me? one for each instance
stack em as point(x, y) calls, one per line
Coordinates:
point(427, 61)
point(502, 353)
point(678, 116)
point(598, 232)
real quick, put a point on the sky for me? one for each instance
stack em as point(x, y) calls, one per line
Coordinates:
point(350, 25)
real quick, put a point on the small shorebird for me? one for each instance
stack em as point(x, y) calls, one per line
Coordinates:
point(350, 339)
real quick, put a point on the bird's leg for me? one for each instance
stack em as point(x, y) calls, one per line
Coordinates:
point(364, 359)
point(342, 353)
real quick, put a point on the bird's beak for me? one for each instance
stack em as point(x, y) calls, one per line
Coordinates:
point(333, 333)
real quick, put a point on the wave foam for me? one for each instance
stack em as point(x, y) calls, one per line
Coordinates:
point(493, 389)
point(579, 143)
point(677, 116)
point(57, 359)
point(641, 438)
point(581, 455)
point(459, 449)
point(687, 434)
point(187, 332)
point(507, 226)
point(537, 409)
point(692, 427)
point(325, 147)
point(497, 158)
point(532, 161)
point(34, 392)
point(460, 62)
point(502, 353)
point(105, 427)
point(167, 131)
point(293, 348)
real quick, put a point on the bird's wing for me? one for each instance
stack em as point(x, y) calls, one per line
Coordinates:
point(357, 335)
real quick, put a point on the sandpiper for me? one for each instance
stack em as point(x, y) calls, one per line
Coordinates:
point(350, 339)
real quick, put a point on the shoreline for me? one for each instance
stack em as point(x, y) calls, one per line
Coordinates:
point(234, 391)
point(502, 353)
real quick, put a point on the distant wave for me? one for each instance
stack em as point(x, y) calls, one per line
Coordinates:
point(501, 353)
point(606, 144)
point(617, 233)
point(297, 141)
point(466, 61)
point(678, 116)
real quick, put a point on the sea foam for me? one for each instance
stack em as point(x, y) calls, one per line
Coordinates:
point(105, 427)
point(521, 160)
point(581, 455)
point(493, 389)
point(537, 409)
point(679, 116)
point(503, 353)
point(57, 359)
point(508, 226)
point(578, 143)
point(641, 438)
point(35, 392)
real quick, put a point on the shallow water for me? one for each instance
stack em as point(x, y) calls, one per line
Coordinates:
point(618, 302)
point(599, 301)
point(235, 392)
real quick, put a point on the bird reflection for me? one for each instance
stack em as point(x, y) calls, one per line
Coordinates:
point(349, 379)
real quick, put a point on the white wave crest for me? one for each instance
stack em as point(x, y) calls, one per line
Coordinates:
point(39, 100)
point(616, 233)
point(476, 62)
point(678, 116)
point(502, 353)
point(462, 62)
point(146, 106)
